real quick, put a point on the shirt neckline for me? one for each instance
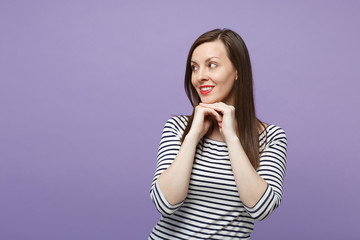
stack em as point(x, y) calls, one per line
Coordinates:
point(223, 142)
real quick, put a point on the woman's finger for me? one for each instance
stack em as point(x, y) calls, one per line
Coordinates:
point(209, 111)
point(220, 107)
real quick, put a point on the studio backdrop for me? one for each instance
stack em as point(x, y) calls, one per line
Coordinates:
point(87, 86)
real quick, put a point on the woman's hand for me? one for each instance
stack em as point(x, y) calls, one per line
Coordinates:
point(202, 120)
point(226, 119)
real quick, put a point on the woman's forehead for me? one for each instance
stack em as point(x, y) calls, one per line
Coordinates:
point(209, 50)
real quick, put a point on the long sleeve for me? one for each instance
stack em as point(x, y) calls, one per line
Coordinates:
point(272, 169)
point(167, 151)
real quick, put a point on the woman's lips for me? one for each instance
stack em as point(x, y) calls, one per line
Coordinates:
point(206, 89)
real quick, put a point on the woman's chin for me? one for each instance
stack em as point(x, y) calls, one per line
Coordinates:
point(209, 101)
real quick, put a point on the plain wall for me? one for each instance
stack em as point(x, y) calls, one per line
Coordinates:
point(86, 87)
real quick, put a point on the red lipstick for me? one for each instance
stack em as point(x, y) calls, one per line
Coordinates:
point(206, 89)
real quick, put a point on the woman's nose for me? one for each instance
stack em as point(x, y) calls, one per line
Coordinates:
point(202, 75)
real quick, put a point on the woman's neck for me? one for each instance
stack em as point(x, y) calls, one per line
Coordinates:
point(215, 134)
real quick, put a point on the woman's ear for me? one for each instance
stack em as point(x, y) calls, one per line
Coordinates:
point(236, 76)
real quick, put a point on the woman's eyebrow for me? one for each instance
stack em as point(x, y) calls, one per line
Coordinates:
point(207, 60)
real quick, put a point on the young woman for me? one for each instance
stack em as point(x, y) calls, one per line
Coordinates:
point(221, 168)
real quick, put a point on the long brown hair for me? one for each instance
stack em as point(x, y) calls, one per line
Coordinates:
point(247, 122)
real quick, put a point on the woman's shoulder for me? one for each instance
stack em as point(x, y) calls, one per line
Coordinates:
point(178, 119)
point(178, 123)
point(273, 133)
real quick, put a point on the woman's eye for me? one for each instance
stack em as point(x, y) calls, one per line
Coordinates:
point(212, 65)
point(194, 68)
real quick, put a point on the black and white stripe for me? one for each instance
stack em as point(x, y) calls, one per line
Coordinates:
point(213, 208)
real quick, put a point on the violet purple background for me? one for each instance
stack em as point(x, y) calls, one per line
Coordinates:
point(86, 87)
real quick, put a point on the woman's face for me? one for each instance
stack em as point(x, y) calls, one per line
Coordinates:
point(213, 74)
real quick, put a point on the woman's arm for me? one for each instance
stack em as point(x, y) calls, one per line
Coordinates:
point(272, 169)
point(248, 182)
point(174, 181)
point(175, 160)
point(251, 186)
point(254, 189)
point(168, 149)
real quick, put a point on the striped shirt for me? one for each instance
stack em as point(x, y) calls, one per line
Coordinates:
point(213, 208)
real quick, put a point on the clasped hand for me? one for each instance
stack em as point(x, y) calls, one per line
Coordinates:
point(224, 115)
